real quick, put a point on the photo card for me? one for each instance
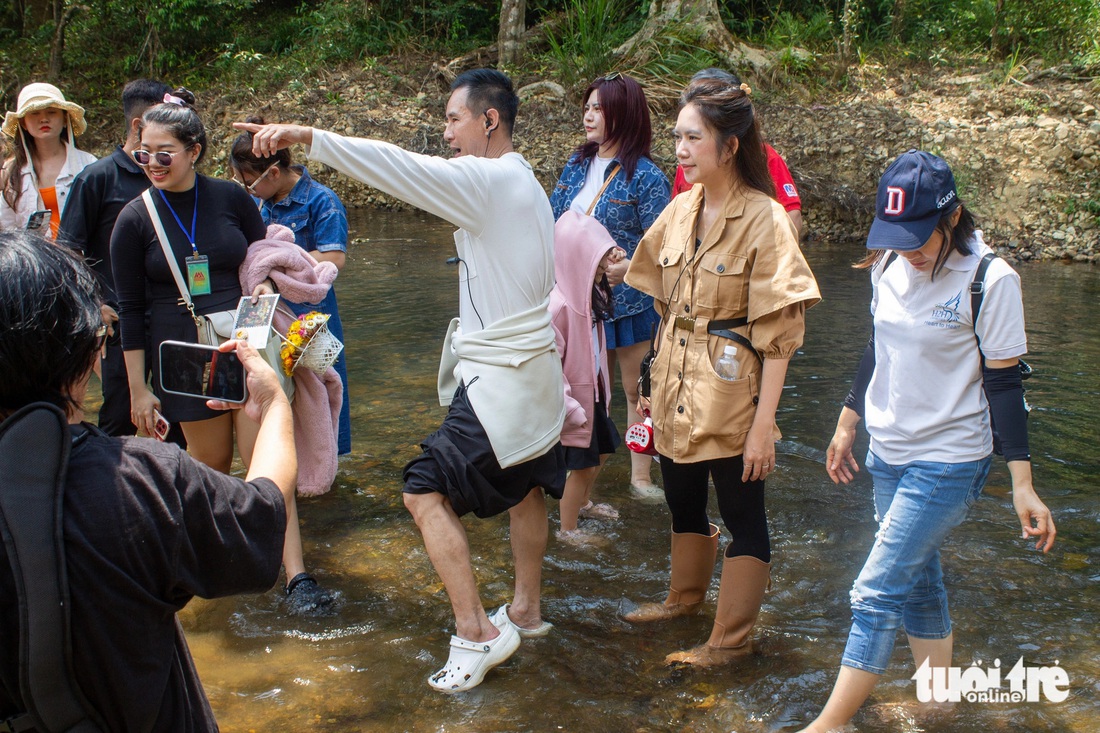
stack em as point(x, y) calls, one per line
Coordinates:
point(254, 320)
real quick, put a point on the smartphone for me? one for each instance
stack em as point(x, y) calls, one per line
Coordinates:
point(195, 370)
point(40, 219)
point(161, 426)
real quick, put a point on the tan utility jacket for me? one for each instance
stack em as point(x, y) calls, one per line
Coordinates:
point(748, 266)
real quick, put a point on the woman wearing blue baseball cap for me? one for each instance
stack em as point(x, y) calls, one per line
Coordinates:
point(931, 385)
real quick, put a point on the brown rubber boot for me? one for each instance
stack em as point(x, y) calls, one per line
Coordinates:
point(744, 580)
point(693, 557)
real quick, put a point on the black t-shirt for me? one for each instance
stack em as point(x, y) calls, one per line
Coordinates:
point(147, 528)
point(228, 221)
point(97, 196)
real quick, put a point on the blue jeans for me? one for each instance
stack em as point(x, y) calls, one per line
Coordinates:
point(916, 504)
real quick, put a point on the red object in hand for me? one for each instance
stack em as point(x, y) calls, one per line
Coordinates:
point(639, 437)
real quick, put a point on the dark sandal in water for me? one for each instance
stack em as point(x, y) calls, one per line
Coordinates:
point(305, 597)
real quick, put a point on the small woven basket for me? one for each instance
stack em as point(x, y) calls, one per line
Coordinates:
point(321, 352)
point(318, 353)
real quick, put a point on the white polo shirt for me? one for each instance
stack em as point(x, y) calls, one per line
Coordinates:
point(925, 400)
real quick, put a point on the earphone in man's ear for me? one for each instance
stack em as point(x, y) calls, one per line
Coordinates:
point(488, 122)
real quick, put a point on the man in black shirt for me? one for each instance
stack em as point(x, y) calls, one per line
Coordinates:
point(97, 196)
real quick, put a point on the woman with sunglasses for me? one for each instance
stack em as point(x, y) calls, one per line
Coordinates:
point(612, 174)
point(209, 224)
point(724, 268)
point(35, 180)
point(289, 196)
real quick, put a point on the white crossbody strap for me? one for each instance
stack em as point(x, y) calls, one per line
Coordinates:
point(147, 196)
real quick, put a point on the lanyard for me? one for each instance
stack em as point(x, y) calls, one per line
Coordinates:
point(194, 218)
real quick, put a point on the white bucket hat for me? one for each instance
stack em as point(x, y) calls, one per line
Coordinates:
point(39, 96)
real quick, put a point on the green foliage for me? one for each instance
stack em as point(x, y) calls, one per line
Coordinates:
point(172, 33)
point(365, 29)
point(779, 23)
point(251, 45)
point(1090, 207)
point(335, 31)
point(790, 30)
point(675, 52)
point(1056, 30)
point(583, 46)
point(1013, 67)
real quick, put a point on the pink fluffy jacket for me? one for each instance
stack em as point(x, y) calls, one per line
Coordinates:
point(580, 243)
point(301, 279)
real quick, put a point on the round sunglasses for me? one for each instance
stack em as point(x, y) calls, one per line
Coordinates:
point(251, 187)
point(162, 157)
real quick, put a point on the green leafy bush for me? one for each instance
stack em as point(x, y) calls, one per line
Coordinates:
point(582, 48)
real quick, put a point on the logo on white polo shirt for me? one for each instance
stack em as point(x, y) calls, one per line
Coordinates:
point(946, 315)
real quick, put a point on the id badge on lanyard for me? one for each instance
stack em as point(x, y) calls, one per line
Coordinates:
point(198, 275)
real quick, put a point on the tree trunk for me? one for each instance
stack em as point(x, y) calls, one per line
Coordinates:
point(703, 18)
point(61, 17)
point(513, 18)
point(533, 39)
point(849, 22)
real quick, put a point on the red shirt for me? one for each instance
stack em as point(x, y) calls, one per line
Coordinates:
point(785, 191)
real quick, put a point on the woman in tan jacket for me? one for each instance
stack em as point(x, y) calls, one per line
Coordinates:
point(724, 267)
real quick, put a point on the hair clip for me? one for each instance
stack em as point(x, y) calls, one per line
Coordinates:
point(746, 89)
point(169, 99)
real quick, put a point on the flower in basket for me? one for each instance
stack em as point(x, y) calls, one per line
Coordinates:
point(298, 338)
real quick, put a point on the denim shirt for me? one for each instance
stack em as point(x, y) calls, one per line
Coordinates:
point(626, 209)
point(320, 223)
point(314, 213)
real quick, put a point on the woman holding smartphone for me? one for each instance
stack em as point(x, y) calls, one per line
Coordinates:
point(209, 224)
point(35, 180)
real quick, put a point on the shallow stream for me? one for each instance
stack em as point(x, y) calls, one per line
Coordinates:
point(366, 668)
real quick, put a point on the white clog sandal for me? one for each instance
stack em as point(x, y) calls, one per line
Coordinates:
point(500, 619)
point(469, 661)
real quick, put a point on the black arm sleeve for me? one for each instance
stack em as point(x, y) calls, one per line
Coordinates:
point(1005, 391)
point(857, 396)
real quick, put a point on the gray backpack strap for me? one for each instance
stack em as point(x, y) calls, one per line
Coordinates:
point(31, 500)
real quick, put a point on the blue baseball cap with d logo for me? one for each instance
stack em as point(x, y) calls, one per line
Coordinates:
point(913, 194)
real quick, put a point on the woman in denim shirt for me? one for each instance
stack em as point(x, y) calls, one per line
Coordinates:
point(618, 135)
point(289, 196)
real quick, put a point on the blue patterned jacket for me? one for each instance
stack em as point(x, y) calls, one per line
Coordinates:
point(626, 208)
point(320, 223)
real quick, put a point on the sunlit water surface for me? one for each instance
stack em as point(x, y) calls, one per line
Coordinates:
point(366, 668)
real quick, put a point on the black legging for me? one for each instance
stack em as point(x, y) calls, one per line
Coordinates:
point(741, 504)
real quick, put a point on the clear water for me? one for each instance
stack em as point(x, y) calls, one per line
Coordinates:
point(366, 668)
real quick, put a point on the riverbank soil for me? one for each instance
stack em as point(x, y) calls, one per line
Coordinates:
point(1026, 153)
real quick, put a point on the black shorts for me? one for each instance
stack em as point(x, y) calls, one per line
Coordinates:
point(458, 462)
point(605, 439)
